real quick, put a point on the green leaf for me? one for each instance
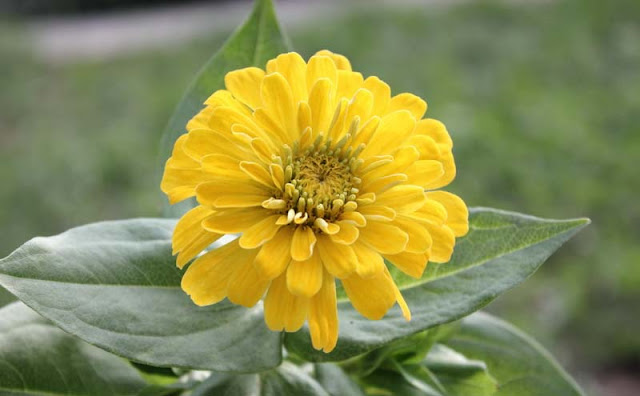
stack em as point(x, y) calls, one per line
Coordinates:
point(421, 378)
point(501, 250)
point(391, 383)
point(459, 375)
point(5, 297)
point(520, 364)
point(259, 39)
point(444, 372)
point(115, 284)
point(335, 381)
point(287, 379)
point(38, 358)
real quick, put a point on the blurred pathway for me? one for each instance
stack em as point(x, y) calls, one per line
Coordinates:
point(100, 36)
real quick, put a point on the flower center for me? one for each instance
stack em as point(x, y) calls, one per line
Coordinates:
point(319, 184)
point(322, 178)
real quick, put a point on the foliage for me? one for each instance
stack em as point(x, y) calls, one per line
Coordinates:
point(78, 297)
point(527, 91)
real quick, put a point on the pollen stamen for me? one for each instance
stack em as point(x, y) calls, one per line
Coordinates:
point(319, 181)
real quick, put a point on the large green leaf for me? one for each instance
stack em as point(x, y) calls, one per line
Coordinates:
point(6, 297)
point(38, 358)
point(115, 285)
point(458, 374)
point(501, 250)
point(335, 381)
point(519, 364)
point(259, 39)
point(287, 379)
point(443, 372)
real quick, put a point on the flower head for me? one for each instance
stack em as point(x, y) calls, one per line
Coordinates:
point(326, 177)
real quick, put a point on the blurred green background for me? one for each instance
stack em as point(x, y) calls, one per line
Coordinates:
point(542, 100)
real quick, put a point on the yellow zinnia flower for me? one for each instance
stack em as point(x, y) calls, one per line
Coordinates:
point(325, 176)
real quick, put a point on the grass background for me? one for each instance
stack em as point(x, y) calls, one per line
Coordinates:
point(542, 101)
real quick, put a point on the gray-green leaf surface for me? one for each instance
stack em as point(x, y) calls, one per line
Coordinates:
point(259, 39)
point(115, 285)
point(458, 374)
point(501, 250)
point(37, 358)
point(286, 380)
point(519, 364)
point(335, 381)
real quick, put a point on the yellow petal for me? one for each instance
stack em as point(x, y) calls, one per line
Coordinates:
point(372, 297)
point(356, 218)
point(278, 103)
point(384, 238)
point(207, 278)
point(377, 212)
point(393, 130)
point(457, 212)
point(223, 98)
point(443, 242)
point(432, 211)
point(180, 184)
point(247, 286)
point(304, 122)
point(348, 83)
point(200, 120)
point(403, 199)
point(402, 159)
point(228, 221)
point(373, 163)
point(359, 106)
point(304, 278)
point(326, 227)
point(262, 149)
point(321, 67)
point(258, 173)
point(412, 264)
point(426, 146)
point(366, 132)
point(179, 158)
point(407, 101)
point(278, 133)
point(277, 175)
point(228, 194)
point(294, 69)
point(382, 184)
point(336, 129)
point(189, 238)
point(302, 244)
point(260, 232)
point(424, 172)
point(244, 84)
point(321, 105)
point(419, 238)
point(347, 235)
point(222, 166)
point(283, 310)
point(275, 255)
point(436, 130)
point(449, 167)
point(223, 119)
point(381, 94)
point(337, 258)
point(406, 313)
point(341, 62)
point(366, 199)
point(203, 142)
point(323, 316)
point(370, 263)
